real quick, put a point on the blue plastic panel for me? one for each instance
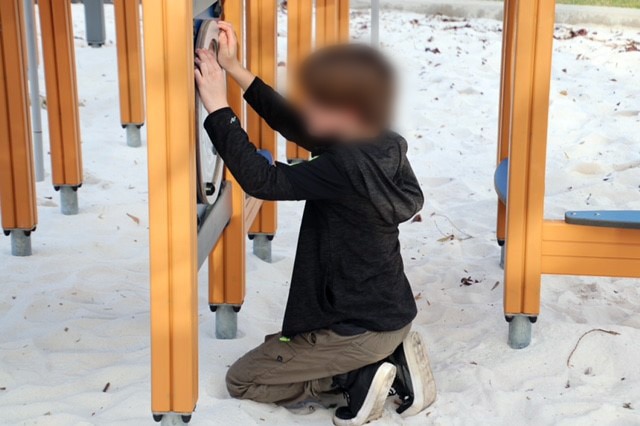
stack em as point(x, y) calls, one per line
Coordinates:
point(266, 154)
point(629, 219)
point(501, 180)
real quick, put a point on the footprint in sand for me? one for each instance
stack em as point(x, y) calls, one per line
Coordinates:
point(588, 168)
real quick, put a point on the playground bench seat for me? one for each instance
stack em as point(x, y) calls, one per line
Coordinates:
point(627, 219)
point(501, 179)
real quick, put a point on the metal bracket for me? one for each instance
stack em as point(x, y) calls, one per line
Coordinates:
point(212, 220)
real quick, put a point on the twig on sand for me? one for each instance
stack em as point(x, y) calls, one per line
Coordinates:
point(611, 332)
point(464, 235)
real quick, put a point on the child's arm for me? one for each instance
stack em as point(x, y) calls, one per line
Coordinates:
point(321, 178)
point(269, 105)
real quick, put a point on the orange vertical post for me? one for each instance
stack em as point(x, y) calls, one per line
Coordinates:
point(261, 59)
point(129, 46)
point(534, 22)
point(169, 58)
point(299, 45)
point(227, 261)
point(62, 100)
point(343, 21)
point(17, 176)
point(327, 28)
point(504, 120)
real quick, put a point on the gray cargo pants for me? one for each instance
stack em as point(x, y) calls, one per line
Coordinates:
point(286, 372)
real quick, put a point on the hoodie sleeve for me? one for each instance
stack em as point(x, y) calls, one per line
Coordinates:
point(321, 178)
point(279, 114)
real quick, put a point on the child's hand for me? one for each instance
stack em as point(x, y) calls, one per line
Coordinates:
point(211, 80)
point(227, 46)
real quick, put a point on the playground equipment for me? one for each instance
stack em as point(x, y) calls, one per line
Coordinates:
point(586, 243)
point(17, 186)
point(130, 74)
point(62, 101)
point(197, 211)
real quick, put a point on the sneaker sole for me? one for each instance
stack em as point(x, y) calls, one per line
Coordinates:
point(373, 406)
point(424, 386)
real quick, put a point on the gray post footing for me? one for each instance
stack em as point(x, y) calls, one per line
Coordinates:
point(68, 200)
point(226, 322)
point(519, 332)
point(133, 136)
point(20, 243)
point(502, 254)
point(262, 247)
point(94, 22)
point(172, 420)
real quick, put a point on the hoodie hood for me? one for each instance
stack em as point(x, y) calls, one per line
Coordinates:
point(384, 176)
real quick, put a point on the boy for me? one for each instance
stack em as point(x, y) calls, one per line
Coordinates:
point(350, 307)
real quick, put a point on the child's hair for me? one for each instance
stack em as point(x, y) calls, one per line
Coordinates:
point(354, 76)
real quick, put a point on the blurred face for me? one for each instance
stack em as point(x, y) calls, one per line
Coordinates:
point(328, 122)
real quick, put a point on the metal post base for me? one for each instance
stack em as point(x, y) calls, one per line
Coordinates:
point(69, 200)
point(502, 253)
point(20, 243)
point(262, 246)
point(226, 322)
point(174, 419)
point(519, 332)
point(94, 22)
point(133, 135)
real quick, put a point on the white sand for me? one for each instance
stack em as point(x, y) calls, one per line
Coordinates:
point(75, 315)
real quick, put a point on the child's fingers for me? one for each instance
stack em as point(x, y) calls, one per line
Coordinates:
point(203, 67)
point(223, 40)
point(225, 25)
point(228, 33)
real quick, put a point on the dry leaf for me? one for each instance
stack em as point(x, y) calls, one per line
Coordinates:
point(134, 218)
point(468, 281)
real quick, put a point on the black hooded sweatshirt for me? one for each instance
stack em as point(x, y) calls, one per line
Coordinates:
point(348, 273)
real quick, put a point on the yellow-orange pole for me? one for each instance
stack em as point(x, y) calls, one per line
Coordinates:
point(168, 38)
point(299, 45)
point(227, 261)
point(534, 22)
point(261, 59)
point(504, 120)
point(62, 99)
point(327, 28)
point(343, 21)
point(17, 176)
point(129, 46)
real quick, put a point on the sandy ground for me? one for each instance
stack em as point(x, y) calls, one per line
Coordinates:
point(75, 315)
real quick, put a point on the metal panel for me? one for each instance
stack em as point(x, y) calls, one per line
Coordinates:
point(213, 219)
point(200, 6)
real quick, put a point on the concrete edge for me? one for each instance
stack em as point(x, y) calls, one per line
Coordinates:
point(565, 14)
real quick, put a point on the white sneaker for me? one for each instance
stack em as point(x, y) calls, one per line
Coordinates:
point(414, 382)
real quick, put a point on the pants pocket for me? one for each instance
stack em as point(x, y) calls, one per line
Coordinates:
point(310, 338)
point(280, 352)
